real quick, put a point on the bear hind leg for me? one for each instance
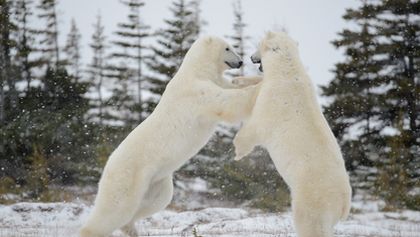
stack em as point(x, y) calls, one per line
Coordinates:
point(158, 196)
point(130, 229)
point(114, 209)
point(85, 232)
point(312, 224)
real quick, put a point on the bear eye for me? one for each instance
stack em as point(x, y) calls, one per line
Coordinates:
point(227, 49)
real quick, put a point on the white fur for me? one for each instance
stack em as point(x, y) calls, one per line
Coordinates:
point(288, 122)
point(137, 179)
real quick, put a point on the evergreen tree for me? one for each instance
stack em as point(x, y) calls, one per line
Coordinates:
point(375, 89)
point(130, 41)
point(172, 44)
point(196, 15)
point(72, 50)
point(402, 54)
point(45, 122)
point(400, 51)
point(25, 39)
point(8, 92)
point(97, 68)
point(48, 127)
point(14, 37)
point(353, 96)
point(49, 46)
point(122, 100)
point(239, 38)
point(7, 45)
point(57, 124)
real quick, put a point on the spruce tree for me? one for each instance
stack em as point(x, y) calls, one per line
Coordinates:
point(400, 51)
point(239, 38)
point(4, 63)
point(7, 45)
point(375, 90)
point(354, 105)
point(57, 124)
point(196, 15)
point(25, 40)
point(97, 68)
point(130, 42)
point(49, 45)
point(72, 50)
point(46, 119)
point(122, 100)
point(173, 42)
point(14, 38)
point(8, 90)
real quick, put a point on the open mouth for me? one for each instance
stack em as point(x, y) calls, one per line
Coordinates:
point(258, 61)
point(232, 66)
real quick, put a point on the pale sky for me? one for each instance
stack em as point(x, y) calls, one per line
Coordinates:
point(314, 24)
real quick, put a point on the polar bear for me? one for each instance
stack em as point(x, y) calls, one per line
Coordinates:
point(137, 179)
point(288, 122)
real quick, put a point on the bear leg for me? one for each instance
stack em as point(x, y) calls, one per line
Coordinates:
point(156, 199)
point(114, 207)
point(130, 229)
point(311, 223)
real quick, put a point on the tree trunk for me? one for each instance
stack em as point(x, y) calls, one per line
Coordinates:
point(412, 99)
point(1, 114)
point(5, 51)
point(411, 74)
point(139, 75)
point(57, 50)
point(100, 97)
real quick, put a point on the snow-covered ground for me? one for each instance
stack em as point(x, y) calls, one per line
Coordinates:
point(64, 219)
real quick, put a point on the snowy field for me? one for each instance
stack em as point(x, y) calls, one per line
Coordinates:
point(64, 219)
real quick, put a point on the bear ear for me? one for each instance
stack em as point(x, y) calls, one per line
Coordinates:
point(208, 40)
point(270, 34)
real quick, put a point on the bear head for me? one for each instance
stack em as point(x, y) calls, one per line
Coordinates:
point(275, 42)
point(213, 53)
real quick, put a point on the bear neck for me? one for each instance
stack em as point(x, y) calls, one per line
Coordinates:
point(279, 67)
point(200, 69)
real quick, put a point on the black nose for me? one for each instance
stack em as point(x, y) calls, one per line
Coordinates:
point(240, 63)
point(254, 60)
